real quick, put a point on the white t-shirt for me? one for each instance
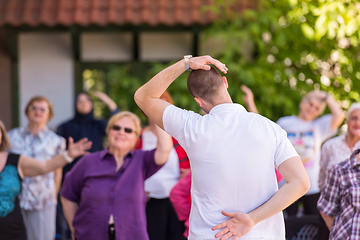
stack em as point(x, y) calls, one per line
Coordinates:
point(232, 155)
point(160, 184)
point(307, 137)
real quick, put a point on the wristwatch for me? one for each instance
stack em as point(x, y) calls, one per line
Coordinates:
point(187, 64)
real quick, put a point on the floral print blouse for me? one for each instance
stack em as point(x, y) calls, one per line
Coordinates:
point(37, 192)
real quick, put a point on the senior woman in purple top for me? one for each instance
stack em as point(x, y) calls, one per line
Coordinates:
point(109, 184)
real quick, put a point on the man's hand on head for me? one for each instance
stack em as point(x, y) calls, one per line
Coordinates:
point(203, 62)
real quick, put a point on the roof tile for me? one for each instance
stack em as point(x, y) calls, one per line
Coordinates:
point(102, 12)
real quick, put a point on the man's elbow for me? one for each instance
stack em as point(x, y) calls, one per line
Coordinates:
point(304, 184)
point(137, 97)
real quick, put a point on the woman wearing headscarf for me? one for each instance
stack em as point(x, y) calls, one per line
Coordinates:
point(84, 124)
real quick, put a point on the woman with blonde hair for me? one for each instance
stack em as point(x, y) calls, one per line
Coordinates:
point(103, 196)
point(13, 168)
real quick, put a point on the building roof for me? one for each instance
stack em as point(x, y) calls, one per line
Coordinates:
point(104, 12)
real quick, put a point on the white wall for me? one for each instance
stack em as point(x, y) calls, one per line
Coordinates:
point(46, 68)
point(106, 46)
point(165, 46)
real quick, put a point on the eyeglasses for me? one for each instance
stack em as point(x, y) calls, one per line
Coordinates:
point(118, 128)
point(43, 110)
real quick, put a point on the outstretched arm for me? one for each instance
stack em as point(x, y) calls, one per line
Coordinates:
point(147, 97)
point(31, 167)
point(297, 184)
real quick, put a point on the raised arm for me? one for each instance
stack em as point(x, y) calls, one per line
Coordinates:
point(107, 100)
point(148, 96)
point(297, 184)
point(337, 114)
point(163, 146)
point(31, 167)
point(249, 99)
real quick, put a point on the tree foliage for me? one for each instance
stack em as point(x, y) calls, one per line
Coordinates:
point(285, 48)
point(281, 50)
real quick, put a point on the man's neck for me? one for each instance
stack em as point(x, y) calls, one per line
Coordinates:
point(225, 99)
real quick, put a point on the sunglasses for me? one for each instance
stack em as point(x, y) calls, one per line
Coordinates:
point(43, 110)
point(118, 128)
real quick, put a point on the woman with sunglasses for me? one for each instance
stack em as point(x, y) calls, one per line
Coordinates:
point(103, 195)
point(13, 168)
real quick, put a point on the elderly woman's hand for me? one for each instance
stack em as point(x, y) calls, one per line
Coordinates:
point(79, 148)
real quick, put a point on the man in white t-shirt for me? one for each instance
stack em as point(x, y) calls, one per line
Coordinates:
point(232, 155)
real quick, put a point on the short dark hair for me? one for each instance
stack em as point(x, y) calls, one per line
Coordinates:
point(204, 83)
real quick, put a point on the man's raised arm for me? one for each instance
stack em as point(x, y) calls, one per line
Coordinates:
point(147, 97)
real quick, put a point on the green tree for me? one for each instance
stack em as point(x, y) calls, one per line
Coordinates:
point(285, 48)
point(281, 50)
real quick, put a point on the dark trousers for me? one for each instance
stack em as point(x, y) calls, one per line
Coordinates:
point(111, 232)
point(309, 202)
point(162, 221)
point(310, 208)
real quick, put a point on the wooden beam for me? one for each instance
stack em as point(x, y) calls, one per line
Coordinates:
point(11, 35)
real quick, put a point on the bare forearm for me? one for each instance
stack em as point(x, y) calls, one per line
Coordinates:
point(31, 167)
point(337, 113)
point(297, 184)
point(58, 178)
point(252, 107)
point(106, 99)
point(69, 209)
point(285, 196)
point(163, 146)
point(329, 220)
point(112, 106)
point(159, 83)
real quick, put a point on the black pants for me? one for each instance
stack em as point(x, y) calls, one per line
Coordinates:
point(162, 221)
point(111, 232)
point(309, 202)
